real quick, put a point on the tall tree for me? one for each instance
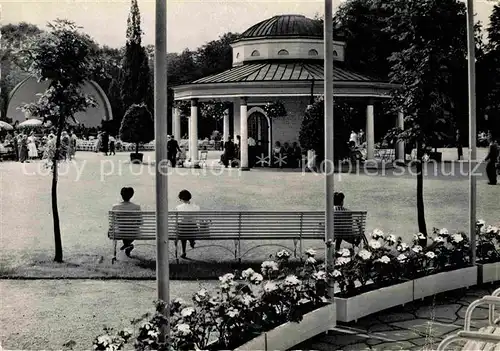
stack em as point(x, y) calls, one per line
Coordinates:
point(136, 84)
point(368, 45)
point(66, 58)
point(431, 41)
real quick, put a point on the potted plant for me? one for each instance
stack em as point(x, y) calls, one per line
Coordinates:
point(488, 252)
point(137, 127)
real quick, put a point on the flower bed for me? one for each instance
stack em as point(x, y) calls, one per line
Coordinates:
point(250, 307)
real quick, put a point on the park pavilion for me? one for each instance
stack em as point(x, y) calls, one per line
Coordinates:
point(279, 59)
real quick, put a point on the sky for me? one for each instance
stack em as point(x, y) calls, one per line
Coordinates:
point(190, 23)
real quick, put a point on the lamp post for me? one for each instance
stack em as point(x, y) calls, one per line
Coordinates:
point(160, 95)
point(471, 55)
point(328, 169)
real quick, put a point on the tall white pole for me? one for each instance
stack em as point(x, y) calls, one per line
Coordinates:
point(160, 94)
point(328, 69)
point(472, 125)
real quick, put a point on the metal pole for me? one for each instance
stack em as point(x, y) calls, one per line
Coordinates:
point(472, 126)
point(162, 268)
point(328, 169)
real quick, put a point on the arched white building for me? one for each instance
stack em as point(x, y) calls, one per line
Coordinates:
point(280, 58)
point(27, 90)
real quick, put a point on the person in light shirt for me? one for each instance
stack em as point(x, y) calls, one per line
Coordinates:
point(186, 225)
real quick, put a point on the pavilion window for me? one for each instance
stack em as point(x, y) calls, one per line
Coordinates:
point(313, 52)
point(282, 53)
point(335, 53)
point(255, 53)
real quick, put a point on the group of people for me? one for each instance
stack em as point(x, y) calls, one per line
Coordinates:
point(26, 148)
point(106, 144)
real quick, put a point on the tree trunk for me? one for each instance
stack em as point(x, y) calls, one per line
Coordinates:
point(55, 212)
point(422, 227)
point(136, 148)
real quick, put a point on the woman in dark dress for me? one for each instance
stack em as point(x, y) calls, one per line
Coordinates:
point(491, 160)
point(23, 149)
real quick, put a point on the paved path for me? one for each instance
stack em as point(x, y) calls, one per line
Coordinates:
point(45, 314)
point(417, 326)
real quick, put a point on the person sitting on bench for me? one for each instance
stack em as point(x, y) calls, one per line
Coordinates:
point(127, 205)
point(342, 233)
point(186, 225)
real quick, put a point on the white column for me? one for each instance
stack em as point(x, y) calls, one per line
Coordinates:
point(370, 131)
point(226, 125)
point(193, 132)
point(400, 146)
point(244, 135)
point(176, 124)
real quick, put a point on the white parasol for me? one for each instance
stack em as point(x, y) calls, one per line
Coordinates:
point(5, 126)
point(30, 123)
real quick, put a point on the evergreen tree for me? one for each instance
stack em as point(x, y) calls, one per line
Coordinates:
point(135, 81)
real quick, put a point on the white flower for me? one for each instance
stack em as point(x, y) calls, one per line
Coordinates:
point(365, 254)
point(336, 273)
point(439, 239)
point(384, 259)
point(179, 301)
point(430, 255)
point(247, 300)
point(187, 312)
point(269, 267)
point(200, 295)
point(402, 258)
point(492, 229)
point(270, 287)
point(183, 329)
point(227, 278)
point(311, 260)
point(480, 222)
point(319, 275)
point(283, 254)
point(311, 252)
point(444, 231)
point(403, 247)
point(419, 236)
point(417, 249)
point(232, 312)
point(457, 238)
point(303, 301)
point(391, 239)
point(247, 273)
point(104, 340)
point(256, 278)
point(153, 333)
point(342, 261)
point(291, 280)
point(344, 252)
point(374, 244)
point(377, 234)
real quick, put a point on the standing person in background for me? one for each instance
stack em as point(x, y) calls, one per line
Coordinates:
point(99, 142)
point(458, 142)
point(229, 152)
point(172, 150)
point(32, 150)
point(251, 151)
point(491, 160)
point(73, 141)
point(361, 137)
point(15, 144)
point(297, 154)
point(354, 137)
point(105, 143)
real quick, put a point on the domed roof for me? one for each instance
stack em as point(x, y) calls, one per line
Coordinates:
point(285, 26)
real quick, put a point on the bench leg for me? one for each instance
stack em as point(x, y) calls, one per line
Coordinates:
point(176, 242)
point(301, 249)
point(295, 241)
point(113, 260)
point(237, 250)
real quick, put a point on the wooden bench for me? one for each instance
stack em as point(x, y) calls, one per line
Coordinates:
point(487, 338)
point(235, 226)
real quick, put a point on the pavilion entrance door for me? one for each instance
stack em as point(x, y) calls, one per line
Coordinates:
point(258, 129)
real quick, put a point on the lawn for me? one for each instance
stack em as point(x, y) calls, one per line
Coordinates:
point(86, 194)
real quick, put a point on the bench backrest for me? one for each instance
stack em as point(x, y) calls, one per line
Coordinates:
point(235, 224)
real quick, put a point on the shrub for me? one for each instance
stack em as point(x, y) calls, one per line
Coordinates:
point(137, 126)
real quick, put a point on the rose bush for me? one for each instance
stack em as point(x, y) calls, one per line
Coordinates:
point(244, 305)
point(248, 303)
